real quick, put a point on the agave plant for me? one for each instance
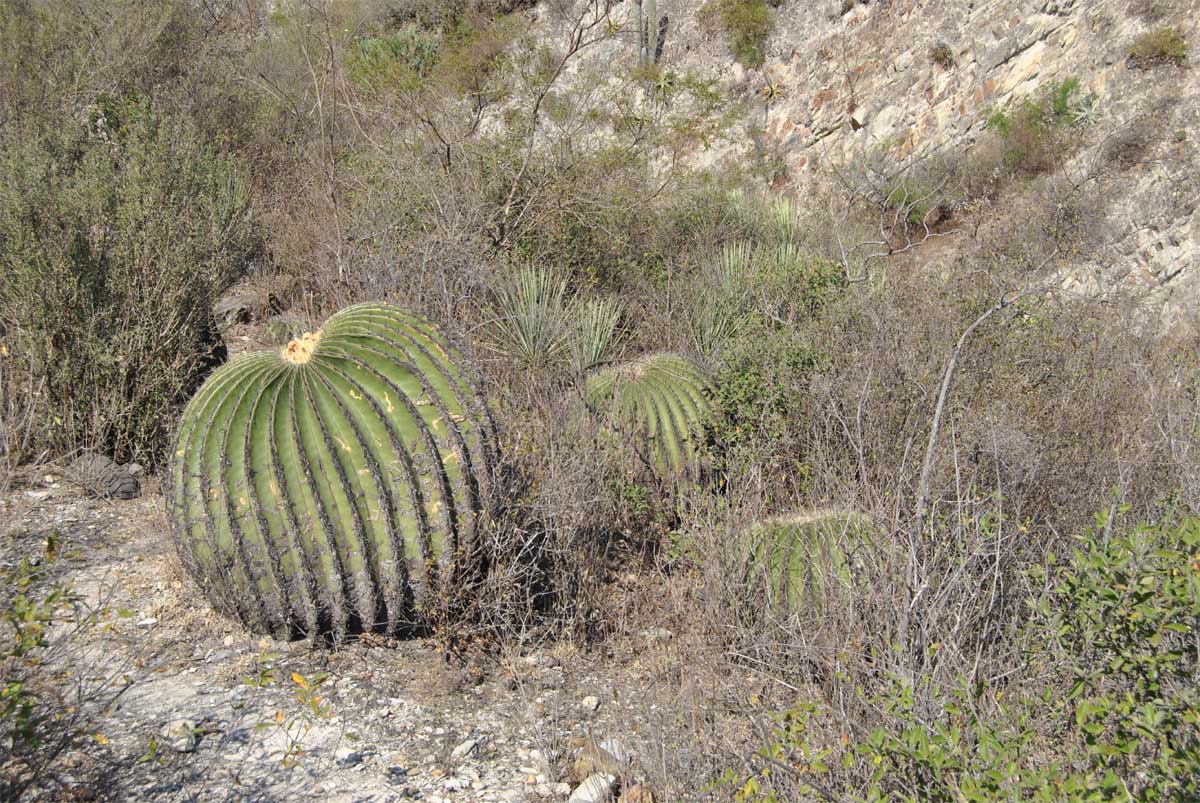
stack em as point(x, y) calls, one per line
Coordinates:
point(593, 338)
point(339, 483)
point(532, 318)
point(784, 217)
point(1085, 110)
point(720, 305)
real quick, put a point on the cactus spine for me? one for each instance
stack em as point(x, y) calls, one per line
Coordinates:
point(807, 562)
point(662, 397)
point(337, 484)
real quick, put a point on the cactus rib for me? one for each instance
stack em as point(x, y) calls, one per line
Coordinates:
point(339, 484)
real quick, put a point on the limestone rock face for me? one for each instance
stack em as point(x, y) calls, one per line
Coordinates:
point(873, 81)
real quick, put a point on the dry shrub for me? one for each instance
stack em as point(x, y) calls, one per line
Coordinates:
point(1160, 46)
point(116, 243)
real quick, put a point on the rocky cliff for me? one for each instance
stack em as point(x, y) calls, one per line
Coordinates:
point(844, 82)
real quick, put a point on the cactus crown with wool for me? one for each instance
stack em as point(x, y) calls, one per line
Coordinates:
point(337, 484)
point(807, 562)
point(662, 397)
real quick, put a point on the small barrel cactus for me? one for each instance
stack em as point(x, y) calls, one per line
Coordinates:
point(807, 562)
point(338, 484)
point(664, 398)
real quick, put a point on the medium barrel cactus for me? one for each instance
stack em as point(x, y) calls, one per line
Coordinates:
point(338, 484)
point(807, 562)
point(664, 398)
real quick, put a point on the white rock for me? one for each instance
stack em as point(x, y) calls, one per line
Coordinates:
point(595, 788)
point(618, 751)
point(347, 756)
point(181, 735)
point(591, 702)
point(465, 749)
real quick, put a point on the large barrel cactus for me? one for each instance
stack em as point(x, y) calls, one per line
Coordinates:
point(662, 398)
point(807, 562)
point(338, 484)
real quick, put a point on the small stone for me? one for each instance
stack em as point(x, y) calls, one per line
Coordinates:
point(591, 702)
point(181, 735)
point(511, 796)
point(657, 634)
point(349, 758)
point(464, 749)
point(594, 789)
point(151, 622)
point(637, 793)
point(618, 751)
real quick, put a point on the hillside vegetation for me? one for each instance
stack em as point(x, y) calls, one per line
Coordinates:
point(904, 428)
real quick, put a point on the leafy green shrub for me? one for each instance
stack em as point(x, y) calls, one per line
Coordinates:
point(763, 363)
point(44, 711)
point(1161, 46)
point(758, 391)
point(1122, 622)
point(114, 244)
point(1109, 711)
point(398, 59)
point(1031, 137)
point(748, 23)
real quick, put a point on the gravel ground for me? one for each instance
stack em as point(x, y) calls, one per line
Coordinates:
point(185, 705)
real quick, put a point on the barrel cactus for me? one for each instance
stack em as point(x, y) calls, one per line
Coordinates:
point(338, 484)
point(807, 562)
point(664, 399)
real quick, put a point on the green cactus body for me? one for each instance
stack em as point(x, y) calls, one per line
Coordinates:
point(662, 397)
point(337, 484)
point(807, 562)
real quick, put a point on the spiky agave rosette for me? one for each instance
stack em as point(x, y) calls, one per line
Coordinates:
point(337, 484)
point(662, 398)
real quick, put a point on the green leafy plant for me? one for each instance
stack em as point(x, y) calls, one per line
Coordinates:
point(1160, 46)
point(1124, 619)
point(399, 60)
point(27, 616)
point(1113, 642)
point(747, 23)
point(46, 709)
point(661, 398)
point(339, 483)
point(1031, 135)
